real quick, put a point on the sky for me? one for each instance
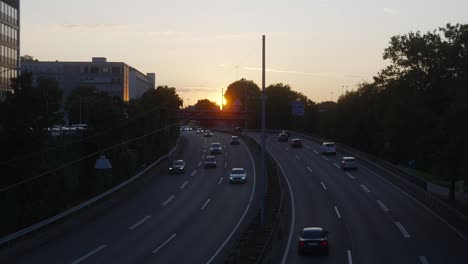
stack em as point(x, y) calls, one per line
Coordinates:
point(319, 47)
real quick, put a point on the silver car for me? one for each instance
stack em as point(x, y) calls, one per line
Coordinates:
point(238, 175)
point(348, 163)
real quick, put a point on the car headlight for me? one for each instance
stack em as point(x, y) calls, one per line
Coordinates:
point(170, 168)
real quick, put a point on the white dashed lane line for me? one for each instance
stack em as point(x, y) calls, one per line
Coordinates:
point(193, 173)
point(309, 169)
point(297, 157)
point(89, 254)
point(350, 257)
point(168, 200)
point(220, 180)
point(205, 204)
point(402, 230)
point(316, 152)
point(350, 176)
point(325, 158)
point(365, 188)
point(165, 243)
point(139, 222)
point(336, 165)
point(423, 260)
point(323, 185)
point(199, 164)
point(382, 206)
point(184, 185)
point(337, 213)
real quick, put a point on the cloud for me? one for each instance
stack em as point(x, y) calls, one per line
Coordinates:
point(71, 26)
point(391, 11)
point(288, 71)
point(93, 26)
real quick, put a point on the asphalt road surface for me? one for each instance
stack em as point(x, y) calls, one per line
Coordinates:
point(186, 218)
point(369, 220)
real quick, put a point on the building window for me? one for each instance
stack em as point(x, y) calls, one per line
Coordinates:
point(94, 69)
point(116, 70)
point(105, 70)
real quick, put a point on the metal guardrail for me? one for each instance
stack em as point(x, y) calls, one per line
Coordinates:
point(46, 222)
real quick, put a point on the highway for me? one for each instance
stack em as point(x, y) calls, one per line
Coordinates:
point(185, 218)
point(369, 220)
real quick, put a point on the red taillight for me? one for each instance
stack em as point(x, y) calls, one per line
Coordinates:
point(324, 243)
point(301, 243)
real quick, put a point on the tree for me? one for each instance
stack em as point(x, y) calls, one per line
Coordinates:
point(28, 58)
point(242, 91)
point(206, 104)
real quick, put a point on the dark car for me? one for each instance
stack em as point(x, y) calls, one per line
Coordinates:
point(235, 140)
point(296, 143)
point(210, 162)
point(208, 133)
point(177, 166)
point(313, 240)
point(282, 137)
point(216, 148)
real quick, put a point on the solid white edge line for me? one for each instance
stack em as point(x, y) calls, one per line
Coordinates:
point(205, 204)
point(382, 206)
point(139, 222)
point(193, 173)
point(165, 243)
point(309, 169)
point(402, 230)
point(365, 188)
point(418, 202)
point(423, 260)
point(350, 257)
point(89, 254)
point(337, 213)
point(323, 185)
point(168, 200)
point(293, 213)
point(245, 211)
point(184, 185)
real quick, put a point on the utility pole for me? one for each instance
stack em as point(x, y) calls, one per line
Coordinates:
point(222, 99)
point(264, 172)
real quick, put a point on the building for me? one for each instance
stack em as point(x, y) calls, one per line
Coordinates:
point(115, 78)
point(9, 43)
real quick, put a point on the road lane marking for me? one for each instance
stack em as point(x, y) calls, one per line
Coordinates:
point(307, 147)
point(287, 149)
point(382, 206)
point(350, 257)
point(225, 165)
point(337, 213)
point(184, 185)
point(297, 157)
point(202, 156)
point(168, 200)
point(316, 152)
point(89, 254)
point(206, 203)
point(309, 169)
point(199, 164)
point(418, 202)
point(365, 188)
point(325, 158)
point(245, 211)
point(165, 243)
point(336, 165)
point(350, 176)
point(323, 185)
point(226, 154)
point(423, 260)
point(139, 222)
point(204, 151)
point(193, 173)
point(220, 181)
point(402, 230)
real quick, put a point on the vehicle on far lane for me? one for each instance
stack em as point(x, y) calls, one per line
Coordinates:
point(210, 162)
point(328, 148)
point(296, 143)
point(235, 140)
point(216, 148)
point(313, 240)
point(208, 133)
point(348, 163)
point(282, 137)
point(238, 175)
point(177, 166)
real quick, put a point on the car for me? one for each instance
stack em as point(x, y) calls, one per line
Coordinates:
point(210, 162)
point(296, 143)
point(238, 175)
point(348, 163)
point(216, 148)
point(235, 140)
point(208, 133)
point(238, 130)
point(287, 133)
point(313, 240)
point(328, 148)
point(177, 166)
point(199, 131)
point(282, 137)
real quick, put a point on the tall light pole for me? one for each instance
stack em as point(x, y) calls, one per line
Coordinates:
point(264, 172)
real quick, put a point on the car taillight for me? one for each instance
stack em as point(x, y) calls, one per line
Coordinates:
point(324, 243)
point(301, 243)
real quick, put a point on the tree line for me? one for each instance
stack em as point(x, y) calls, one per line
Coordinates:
point(43, 175)
point(414, 110)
